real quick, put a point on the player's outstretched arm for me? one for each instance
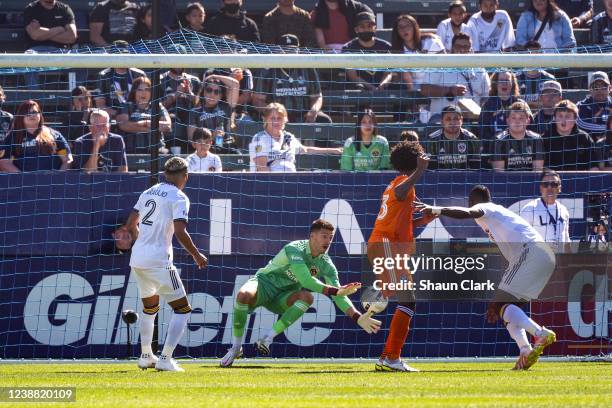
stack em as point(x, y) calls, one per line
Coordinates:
point(401, 191)
point(180, 231)
point(452, 212)
point(424, 220)
point(302, 274)
point(364, 321)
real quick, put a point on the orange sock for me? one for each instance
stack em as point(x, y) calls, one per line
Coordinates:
point(398, 332)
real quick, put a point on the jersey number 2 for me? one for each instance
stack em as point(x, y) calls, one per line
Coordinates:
point(383, 207)
point(146, 220)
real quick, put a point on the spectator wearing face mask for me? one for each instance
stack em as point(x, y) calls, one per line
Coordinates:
point(366, 42)
point(334, 22)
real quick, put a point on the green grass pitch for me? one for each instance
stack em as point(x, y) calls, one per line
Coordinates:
point(479, 384)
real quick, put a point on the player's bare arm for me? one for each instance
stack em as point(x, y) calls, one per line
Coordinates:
point(401, 191)
point(451, 212)
point(424, 219)
point(132, 224)
point(180, 231)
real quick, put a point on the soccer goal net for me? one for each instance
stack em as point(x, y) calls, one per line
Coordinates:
point(321, 150)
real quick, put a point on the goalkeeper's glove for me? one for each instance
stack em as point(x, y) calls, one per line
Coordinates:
point(368, 324)
point(348, 289)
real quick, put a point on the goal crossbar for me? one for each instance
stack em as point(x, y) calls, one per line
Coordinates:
point(384, 61)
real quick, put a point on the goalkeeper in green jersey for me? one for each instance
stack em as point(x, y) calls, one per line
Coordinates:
point(284, 287)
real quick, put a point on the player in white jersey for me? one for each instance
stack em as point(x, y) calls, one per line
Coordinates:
point(491, 29)
point(531, 263)
point(161, 212)
point(547, 215)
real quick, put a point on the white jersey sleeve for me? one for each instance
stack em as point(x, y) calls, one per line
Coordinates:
point(297, 146)
point(262, 145)
point(192, 163)
point(180, 207)
point(217, 163)
point(434, 78)
point(528, 212)
point(484, 86)
point(509, 39)
point(139, 204)
point(507, 229)
point(444, 31)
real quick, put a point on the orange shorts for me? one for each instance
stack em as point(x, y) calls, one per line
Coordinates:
point(384, 248)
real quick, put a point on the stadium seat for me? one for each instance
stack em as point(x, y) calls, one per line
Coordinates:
point(51, 101)
point(345, 103)
point(12, 39)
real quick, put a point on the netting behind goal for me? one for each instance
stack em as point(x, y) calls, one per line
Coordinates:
point(64, 284)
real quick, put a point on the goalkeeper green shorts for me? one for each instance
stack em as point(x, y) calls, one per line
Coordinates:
point(269, 296)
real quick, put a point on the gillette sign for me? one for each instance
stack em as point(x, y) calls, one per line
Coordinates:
point(64, 309)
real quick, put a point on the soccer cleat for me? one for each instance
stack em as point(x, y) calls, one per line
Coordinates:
point(396, 365)
point(521, 363)
point(263, 346)
point(167, 364)
point(378, 365)
point(232, 354)
point(147, 360)
point(547, 338)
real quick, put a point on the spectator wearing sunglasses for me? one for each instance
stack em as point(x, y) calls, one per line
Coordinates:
point(593, 111)
point(547, 215)
point(135, 116)
point(213, 110)
point(31, 145)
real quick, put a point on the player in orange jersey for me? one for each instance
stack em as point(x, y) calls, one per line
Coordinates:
point(393, 235)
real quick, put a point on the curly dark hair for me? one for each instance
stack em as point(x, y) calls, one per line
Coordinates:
point(404, 156)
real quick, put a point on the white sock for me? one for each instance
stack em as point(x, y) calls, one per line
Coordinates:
point(519, 335)
point(513, 314)
point(236, 342)
point(175, 332)
point(147, 322)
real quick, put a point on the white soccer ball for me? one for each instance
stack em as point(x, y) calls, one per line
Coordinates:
point(373, 300)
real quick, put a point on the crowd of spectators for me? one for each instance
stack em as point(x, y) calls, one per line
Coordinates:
point(503, 120)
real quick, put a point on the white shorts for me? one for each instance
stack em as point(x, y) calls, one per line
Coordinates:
point(527, 276)
point(160, 281)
